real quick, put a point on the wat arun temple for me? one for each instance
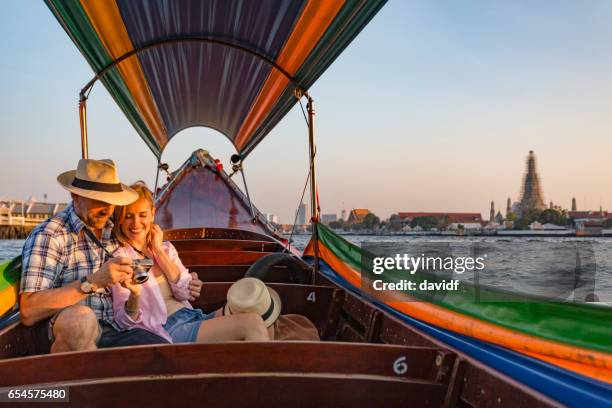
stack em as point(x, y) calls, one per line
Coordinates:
point(531, 199)
point(531, 191)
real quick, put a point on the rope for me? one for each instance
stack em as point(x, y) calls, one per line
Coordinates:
point(298, 211)
point(305, 184)
point(303, 112)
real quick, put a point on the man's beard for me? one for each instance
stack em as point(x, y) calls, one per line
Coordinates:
point(96, 222)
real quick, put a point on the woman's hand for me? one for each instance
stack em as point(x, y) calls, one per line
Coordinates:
point(131, 286)
point(195, 287)
point(157, 239)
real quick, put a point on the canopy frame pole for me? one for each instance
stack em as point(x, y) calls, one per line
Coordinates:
point(313, 180)
point(175, 40)
point(83, 121)
point(189, 39)
point(156, 179)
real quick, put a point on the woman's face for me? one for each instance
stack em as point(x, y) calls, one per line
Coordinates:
point(138, 220)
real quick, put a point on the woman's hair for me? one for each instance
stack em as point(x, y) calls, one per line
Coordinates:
point(143, 192)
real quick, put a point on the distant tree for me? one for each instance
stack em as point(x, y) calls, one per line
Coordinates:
point(371, 221)
point(511, 216)
point(395, 222)
point(426, 222)
point(550, 216)
point(444, 222)
point(526, 219)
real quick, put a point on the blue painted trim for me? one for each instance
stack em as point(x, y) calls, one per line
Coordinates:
point(9, 318)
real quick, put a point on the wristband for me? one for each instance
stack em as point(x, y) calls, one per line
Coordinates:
point(130, 312)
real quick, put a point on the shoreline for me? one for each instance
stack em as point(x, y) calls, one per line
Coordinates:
point(513, 234)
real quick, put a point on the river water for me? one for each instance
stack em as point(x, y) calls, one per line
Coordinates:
point(539, 266)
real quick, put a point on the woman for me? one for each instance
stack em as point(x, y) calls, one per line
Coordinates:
point(160, 304)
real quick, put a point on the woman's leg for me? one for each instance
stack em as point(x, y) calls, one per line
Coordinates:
point(242, 326)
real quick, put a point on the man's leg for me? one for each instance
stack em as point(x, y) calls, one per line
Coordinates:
point(75, 328)
point(133, 337)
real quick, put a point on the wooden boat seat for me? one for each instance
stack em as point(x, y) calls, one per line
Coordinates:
point(365, 364)
point(214, 233)
point(260, 391)
point(388, 362)
point(204, 245)
point(190, 258)
point(231, 273)
point(314, 302)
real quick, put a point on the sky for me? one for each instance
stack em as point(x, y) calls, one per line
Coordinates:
point(433, 107)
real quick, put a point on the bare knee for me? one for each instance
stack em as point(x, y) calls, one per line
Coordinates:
point(76, 328)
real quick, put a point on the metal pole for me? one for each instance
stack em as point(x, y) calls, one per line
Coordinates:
point(83, 120)
point(156, 179)
point(313, 181)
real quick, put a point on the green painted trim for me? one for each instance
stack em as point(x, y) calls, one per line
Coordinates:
point(579, 324)
point(75, 22)
point(10, 272)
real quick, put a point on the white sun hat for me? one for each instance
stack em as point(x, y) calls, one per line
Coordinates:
point(251, 295)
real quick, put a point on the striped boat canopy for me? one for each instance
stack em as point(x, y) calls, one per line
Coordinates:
point(231, 65)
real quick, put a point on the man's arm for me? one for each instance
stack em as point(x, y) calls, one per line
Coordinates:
point(36, 306)
point(42, 304)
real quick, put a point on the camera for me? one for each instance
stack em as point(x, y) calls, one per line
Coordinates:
point(141, 269)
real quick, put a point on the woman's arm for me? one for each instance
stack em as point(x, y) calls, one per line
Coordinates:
point(126, 308)
point(159, 249)
point(167, 265)
point(166, 257)
point(126, 299)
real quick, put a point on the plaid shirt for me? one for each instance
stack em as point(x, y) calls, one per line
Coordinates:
point(58, 252)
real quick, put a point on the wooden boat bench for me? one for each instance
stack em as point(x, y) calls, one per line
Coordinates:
point(227, 260)
point(359, 373)
point(383, 362)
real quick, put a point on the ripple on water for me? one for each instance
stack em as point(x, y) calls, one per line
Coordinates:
point(526, 265)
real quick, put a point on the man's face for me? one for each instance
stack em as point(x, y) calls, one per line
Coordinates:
point(93, 213)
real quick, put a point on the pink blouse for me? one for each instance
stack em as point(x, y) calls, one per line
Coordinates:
point(152, 313)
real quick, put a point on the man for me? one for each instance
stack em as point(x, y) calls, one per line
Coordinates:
point(67, 268)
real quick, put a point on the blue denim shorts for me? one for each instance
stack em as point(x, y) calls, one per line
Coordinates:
point(184, 324)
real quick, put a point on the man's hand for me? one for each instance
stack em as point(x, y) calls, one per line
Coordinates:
point(115, 270)
point(195, 286)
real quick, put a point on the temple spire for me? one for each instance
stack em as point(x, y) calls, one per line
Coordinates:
point(531, 192)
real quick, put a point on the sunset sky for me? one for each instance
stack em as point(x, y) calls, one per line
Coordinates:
point(433, 107)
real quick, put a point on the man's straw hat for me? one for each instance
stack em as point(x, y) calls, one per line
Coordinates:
point(250, 295)
point(98, 180)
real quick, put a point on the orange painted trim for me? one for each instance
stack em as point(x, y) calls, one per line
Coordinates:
point(8, 298)
point(310, 27)
point(583, 361)
point(108, 23)
point(348, 273)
